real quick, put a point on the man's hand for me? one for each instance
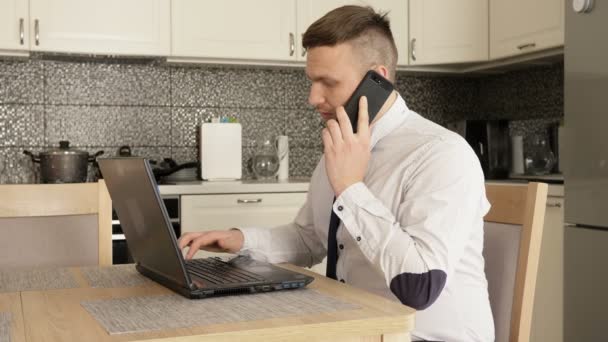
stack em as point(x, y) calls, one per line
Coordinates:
point(347, 154)
point(226, 241)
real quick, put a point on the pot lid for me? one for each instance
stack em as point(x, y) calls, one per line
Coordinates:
point(64, 148)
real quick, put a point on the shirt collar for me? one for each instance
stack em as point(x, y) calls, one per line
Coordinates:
point(392, 119)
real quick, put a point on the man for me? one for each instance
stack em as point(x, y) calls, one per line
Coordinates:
point(409, 194)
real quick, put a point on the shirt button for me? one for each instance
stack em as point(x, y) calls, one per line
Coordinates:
point(342, 281)
point(358, 238)
point(340, 208)
point(341, 246)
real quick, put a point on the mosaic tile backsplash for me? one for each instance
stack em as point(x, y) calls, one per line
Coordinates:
point(155, 108)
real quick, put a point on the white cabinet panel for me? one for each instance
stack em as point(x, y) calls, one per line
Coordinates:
point(311, 10)
point(445, 32)
point(547, 317)
point(234, 29)
point(14, 25)
point(125, 27)
point(521, 26)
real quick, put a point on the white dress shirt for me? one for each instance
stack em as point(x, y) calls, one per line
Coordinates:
point(412, 231)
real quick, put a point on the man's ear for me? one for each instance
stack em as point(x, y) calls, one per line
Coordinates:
point(382, 70)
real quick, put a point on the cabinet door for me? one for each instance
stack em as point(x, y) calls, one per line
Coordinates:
point(14, 25)
point(126, 27)
point(521, 26)
point(311, 10)
point(445, 32)
point(547, 316)
point(234, 29)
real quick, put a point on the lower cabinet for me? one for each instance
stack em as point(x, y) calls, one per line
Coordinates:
point(548, 314)
point(225, 211)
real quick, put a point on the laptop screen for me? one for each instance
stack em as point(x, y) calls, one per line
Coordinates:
point(143, 216)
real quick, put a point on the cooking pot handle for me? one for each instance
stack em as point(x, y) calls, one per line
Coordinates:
point(94, 157)
point(31, 155)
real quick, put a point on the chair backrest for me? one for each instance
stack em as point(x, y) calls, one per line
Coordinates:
point(512, 238)
point(55, 225)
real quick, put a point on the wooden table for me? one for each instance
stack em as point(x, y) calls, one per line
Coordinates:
point(57, 315)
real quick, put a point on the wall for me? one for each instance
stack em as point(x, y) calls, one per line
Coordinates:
point(155, 108)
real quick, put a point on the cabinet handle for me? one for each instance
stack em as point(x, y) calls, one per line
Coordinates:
point(413, 49)
point(554, 205)
point(292, 44)
point(526, 46)
point(21, 32)
point(248, 201)
point(303, 49)
point(37, 32)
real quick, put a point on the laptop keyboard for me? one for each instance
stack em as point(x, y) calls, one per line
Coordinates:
point(218, 272)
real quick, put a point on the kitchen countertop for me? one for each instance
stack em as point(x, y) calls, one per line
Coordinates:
point(232, 187)
point(555, 190)
point(272, 186)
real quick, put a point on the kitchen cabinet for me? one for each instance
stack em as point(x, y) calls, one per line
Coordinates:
point(444, 32)
point(14, 30)
point(224, 211)
point(520, 26)
point(234, 29)
point(134, 27)
point(547, 316)
point(309, 11)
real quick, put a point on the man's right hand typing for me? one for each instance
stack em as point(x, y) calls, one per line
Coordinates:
point(226, 241)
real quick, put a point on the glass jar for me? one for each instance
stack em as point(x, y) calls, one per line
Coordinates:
point(539, 159)
point(265, 162)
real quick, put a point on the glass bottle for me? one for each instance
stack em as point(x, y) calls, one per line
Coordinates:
point(539, 158)
point(265, 162)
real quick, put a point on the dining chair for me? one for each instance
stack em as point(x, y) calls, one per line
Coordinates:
point(55, 225)
point(512, 239)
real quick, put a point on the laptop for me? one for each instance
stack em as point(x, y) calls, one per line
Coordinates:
point(153, 244)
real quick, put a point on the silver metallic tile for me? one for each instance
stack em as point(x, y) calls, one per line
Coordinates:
point(17, 168)
point(238, 87)
point(21, 125)
point(184, 154)
point(523, 94)
point(304, 128)
point(108, 126)
point(436, 93)
point(303, 160)
point(106, 83)
point(21, 82)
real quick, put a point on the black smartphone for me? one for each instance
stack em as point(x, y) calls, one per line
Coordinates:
point(376, 88)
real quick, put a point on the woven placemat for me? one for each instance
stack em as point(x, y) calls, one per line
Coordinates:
point(5, 326)
point(36, 279)
point(114, 276)
point(141, 314)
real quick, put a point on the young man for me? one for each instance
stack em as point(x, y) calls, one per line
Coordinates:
point(409, 194)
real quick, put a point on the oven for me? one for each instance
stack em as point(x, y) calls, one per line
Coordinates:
point(120, 249)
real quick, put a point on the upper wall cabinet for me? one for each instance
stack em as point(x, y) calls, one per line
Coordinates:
point(443, 32)
point(234, 29)
point(311, 10)
point(14, 26)
point(125, 27)
point(521, 26)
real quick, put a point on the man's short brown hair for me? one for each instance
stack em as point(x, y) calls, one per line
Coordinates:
point(368, 32)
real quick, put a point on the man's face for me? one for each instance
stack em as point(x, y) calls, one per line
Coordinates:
point(334, 73)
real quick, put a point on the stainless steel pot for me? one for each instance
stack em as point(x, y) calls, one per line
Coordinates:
point(63, 164)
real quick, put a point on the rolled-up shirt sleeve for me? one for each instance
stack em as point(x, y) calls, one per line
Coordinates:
point(417, 245)
point(295, 243)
